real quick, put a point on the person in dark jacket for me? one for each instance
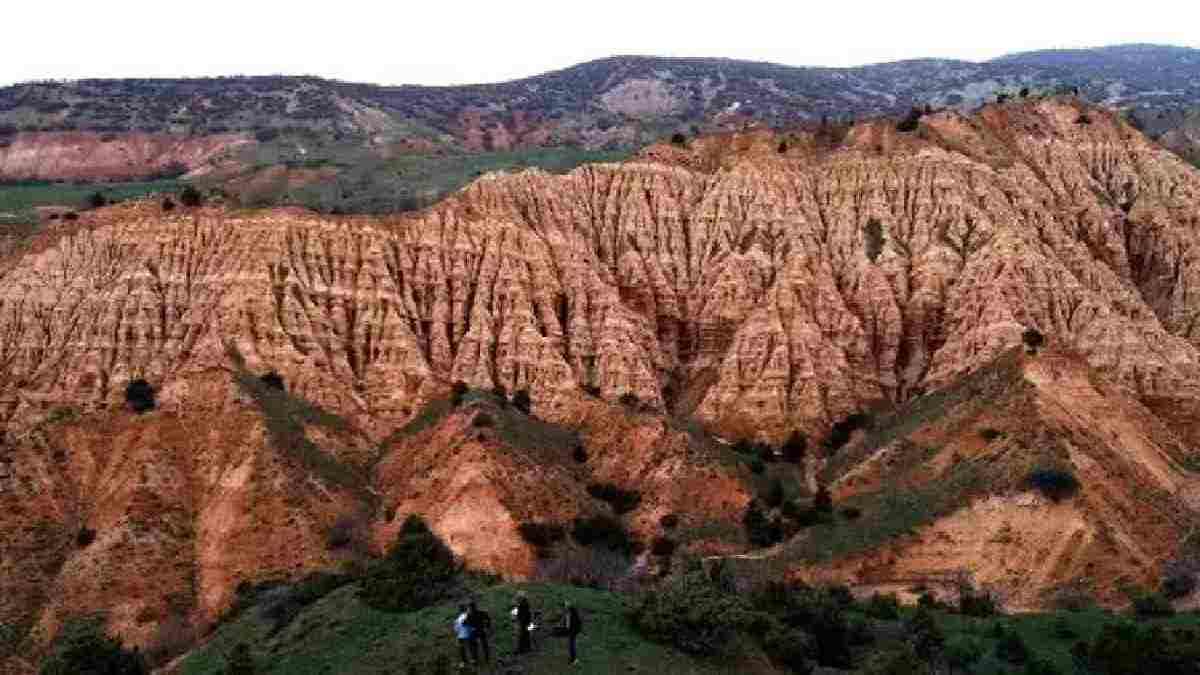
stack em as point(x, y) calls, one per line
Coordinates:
point(573, 626)
point(481, 627)
point(524, 615)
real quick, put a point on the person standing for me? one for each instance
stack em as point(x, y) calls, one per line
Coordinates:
point(524, 616)
point(574, 626)
point(462, 630)
point(480, 623)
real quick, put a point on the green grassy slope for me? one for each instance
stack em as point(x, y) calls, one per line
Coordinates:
point(339, 634)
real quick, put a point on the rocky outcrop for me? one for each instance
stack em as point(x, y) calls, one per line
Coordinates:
point(88, 155)
point(728, 280)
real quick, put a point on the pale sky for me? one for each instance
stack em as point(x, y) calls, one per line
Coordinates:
point(446, 42)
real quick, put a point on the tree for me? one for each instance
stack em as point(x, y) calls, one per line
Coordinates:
point(417, 571)
point(140, 396)
point(678, 139)
point(1033, 339)
point(579, 454)
point(794, 448)
point(457, 392)
point(522, 402)
point(191, 197)
point(240, 661)
point(823, 501)
point(911, 121)
point(167, 204)
point(97, 200)
point(962, 653)
point(81, 646)
point(500, 392)
point(922, 633)
point(775, 494)
point(783, 147)
point(873, 238)
point(273, 380)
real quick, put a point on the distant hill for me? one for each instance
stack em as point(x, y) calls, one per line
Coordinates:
point(618, 101)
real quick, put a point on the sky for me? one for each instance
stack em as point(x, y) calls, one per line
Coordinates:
point(443, 42)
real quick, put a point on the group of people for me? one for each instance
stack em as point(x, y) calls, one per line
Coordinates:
point(473, 627)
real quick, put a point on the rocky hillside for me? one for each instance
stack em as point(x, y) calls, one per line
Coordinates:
point(624, 100)
point(757, 282)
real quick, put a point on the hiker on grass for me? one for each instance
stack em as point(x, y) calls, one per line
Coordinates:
point(462, 630)
point(480, 623)
point(572, 626)
point(524, 616)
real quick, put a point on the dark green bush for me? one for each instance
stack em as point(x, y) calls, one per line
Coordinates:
point(923, 634)
point(541, 535)
point(775, 494)
point(240, 661)
point(794, 448)
point(692, 614)
point(840, 433)
point(1056, 484)
point(140, 396)
point(679, 140)
point(97, 200)
point(417, 571)
point(603, 530)
point(622, 501)
point(1011, 647)
point(522, 402)
point(191, 197)
point(457, 392)
point(273, 380)
point(500, 392)
point(663, 546)
point(883, 607)
point(761, 530)
point(82, 647)
point(976, 603)
point(1152, 605)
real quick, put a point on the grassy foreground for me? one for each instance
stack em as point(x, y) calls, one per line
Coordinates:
point(340, 634)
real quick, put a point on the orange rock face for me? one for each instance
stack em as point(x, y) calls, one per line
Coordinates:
point(755, 285)
point(92, 155)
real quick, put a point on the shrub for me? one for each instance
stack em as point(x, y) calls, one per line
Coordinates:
point(1055, 484)
point(483, 421)
point(851, 513)
point(621, 501)
point(273, 380)
point(417, 571)
point(82, 646)
point(1083, 119)
point(1033, 338)
point(975, 603)
point(761, 530)
point(873, 238)
point(692, 614)
point(521, 401)
point(794, 448)
point(663, 546)
point(70, 216)
point(345, 531)
point(457, 392)
point(679, 140)
point(823, 501)
point(1011, 647)
point(97, 200)
point(591, 390)
point(541, 536)
point(1152, 605)
point(240, 661)
point(629, 400)
point(167, 204)
point(922, 633)
point(1062, 629)
point(757, 466)
point(669, 521)
point(85, 537)
point(839, 434)
point(883, 607)
point(266, 134)
point(990, 435)
point(140, 396)
point(775, 494)
point(603, 530)
point(910, 121)
point(500, 392)
point(1178, 585)
point(584, 566)
point(191, 197)
point(783, 148)
point(579, 454)
point(1024, 93)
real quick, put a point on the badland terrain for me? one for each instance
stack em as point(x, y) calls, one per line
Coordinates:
point(958, 351)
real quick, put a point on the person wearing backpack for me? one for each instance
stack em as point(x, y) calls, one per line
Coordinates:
point(462, 631)
point(572, 626)
point(481, 627)
point(523, 614)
